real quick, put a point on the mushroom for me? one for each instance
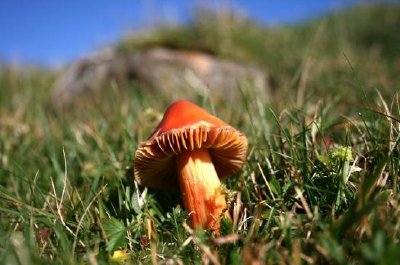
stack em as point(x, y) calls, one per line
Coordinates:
point(192, 150)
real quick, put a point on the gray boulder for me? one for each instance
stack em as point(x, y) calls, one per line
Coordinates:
point(173, 73)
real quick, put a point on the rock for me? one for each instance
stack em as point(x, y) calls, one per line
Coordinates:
point(174, 73)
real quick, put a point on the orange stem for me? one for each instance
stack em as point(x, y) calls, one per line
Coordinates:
point(201, 189)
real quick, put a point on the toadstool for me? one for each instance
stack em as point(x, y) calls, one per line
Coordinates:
point(192, 150)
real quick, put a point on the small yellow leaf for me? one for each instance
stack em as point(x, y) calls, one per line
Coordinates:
point(119, 256)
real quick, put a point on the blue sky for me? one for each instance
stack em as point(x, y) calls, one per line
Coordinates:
point(52, 32)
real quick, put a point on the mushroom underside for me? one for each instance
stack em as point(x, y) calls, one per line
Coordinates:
point(155, 164)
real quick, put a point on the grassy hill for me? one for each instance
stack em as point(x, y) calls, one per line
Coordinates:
point(320, 184)
point(358, 42)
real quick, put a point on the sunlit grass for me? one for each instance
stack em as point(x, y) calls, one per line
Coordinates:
point(320, 184)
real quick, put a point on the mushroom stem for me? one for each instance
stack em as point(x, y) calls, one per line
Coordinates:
point(201, 189)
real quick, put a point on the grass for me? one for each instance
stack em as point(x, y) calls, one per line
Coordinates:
point(320, 184)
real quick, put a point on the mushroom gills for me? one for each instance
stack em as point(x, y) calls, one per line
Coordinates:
point(201, 189)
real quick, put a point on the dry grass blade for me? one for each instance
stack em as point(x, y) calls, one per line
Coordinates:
point(210, 256)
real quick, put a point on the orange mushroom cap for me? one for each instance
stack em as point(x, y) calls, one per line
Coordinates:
point(187, 127)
